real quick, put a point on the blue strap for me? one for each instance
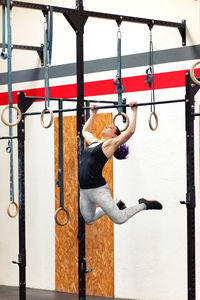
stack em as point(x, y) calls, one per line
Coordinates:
point(46, 68)
point(50, 33)
point(10, 99)
point(8, 56)
point(118, 79)
point(9, 40)
point(3, 53)
point(47, 51)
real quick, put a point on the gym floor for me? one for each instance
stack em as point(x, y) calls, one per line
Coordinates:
point(12, 293)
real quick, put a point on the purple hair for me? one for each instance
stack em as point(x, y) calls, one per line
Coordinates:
point(123, 150)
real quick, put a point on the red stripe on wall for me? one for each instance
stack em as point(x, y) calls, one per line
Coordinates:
point(105, 87)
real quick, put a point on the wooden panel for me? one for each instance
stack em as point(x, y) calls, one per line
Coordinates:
point(99, 236)
point(66, 248)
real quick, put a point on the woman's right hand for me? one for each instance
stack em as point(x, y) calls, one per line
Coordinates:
point(131, 104)
point(94, 108)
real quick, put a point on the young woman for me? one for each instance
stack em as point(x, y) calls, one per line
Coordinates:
point(94, 190)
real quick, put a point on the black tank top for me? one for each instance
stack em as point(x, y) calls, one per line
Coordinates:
point(91, 166)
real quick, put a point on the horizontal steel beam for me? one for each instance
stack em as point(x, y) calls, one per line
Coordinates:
point(196, 115)
point(120, 18)
point(24, 47)
point(8, 137)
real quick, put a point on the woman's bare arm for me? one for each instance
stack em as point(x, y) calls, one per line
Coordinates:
point(124, 137)
point(111, 145)
point(87, 128)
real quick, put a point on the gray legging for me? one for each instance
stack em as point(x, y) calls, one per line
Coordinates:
point(90, 198)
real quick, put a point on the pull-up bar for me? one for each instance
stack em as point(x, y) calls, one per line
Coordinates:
point(140, 104)
point(106, 107)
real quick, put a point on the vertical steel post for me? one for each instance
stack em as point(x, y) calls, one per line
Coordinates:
point(191, 90)
point(77, 22)
point(21, 199)
point(23, 105)
point(80, 122)
point(79, 4)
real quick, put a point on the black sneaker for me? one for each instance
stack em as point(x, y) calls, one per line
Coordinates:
point(150, 204)
point(121, 205)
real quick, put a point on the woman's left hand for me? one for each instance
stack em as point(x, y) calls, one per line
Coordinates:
point(94, 108)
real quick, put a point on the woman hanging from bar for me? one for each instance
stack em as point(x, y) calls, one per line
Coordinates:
point(93, 187)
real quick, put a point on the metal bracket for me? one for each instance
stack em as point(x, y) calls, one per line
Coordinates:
point(21, 259)
point(88, 271)
point(119, 21)
point(16, 262)
point(151, 24)
point(3, 2)
point(185, 202)
point(77, 21)
point(195, 87)
point(182, 31)
point(45, 11)
point(41, 55)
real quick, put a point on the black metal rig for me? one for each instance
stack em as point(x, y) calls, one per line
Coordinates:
point(77, 19)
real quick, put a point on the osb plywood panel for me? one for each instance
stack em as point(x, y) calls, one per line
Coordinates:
point(66, 248)
point(99, 236)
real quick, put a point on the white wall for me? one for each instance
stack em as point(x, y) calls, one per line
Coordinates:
point(150, 249)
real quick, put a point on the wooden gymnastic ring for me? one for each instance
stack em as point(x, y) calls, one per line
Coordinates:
point(42, 117)
point(150, 119)
point(127, 120)
point(16, 212)
point(19, 115)
point(56, 216)
point(192, 73)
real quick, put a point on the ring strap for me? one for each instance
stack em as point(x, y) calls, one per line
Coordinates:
point(126, 118)
point(153, 114)
point(67, 216)
point(16, 211)
point(118, 79)
point(47, 50)
point(4, 55)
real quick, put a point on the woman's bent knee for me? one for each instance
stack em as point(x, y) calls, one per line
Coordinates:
point(88, 219)
point(119, 219)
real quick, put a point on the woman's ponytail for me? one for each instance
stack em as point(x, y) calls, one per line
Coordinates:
point(123, 150)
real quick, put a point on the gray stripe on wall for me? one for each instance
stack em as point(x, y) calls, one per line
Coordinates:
point(106, 64)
